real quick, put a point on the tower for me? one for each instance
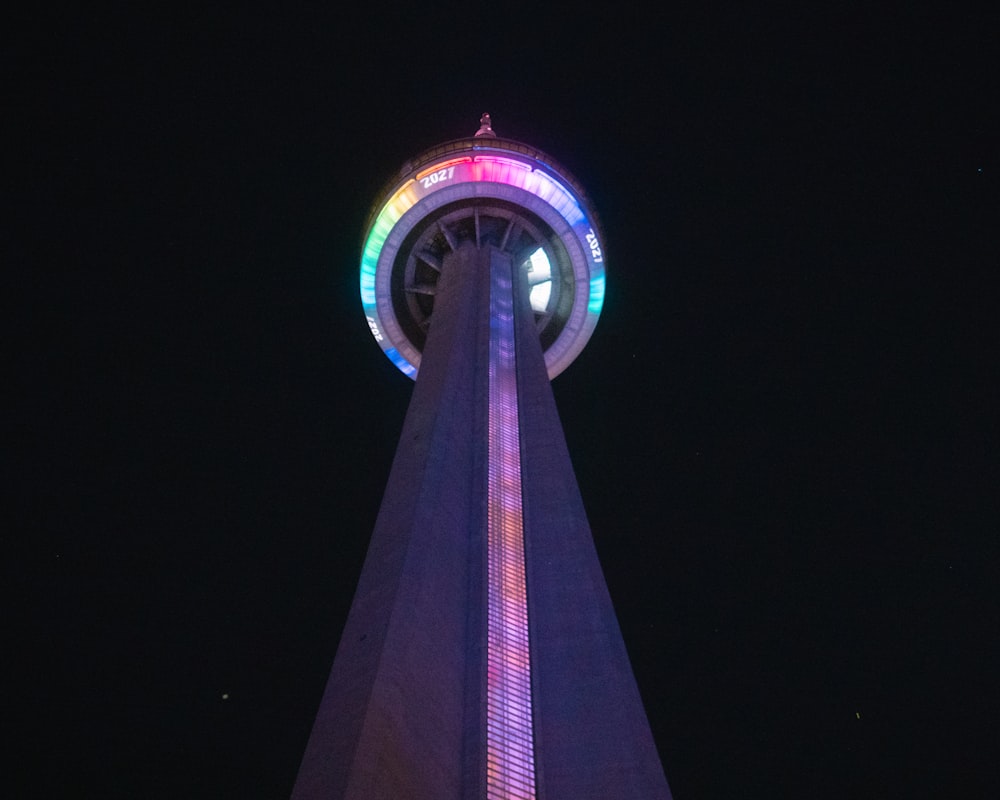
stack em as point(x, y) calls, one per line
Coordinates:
point(482, 657)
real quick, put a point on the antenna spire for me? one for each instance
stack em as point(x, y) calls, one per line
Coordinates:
point(485, 127)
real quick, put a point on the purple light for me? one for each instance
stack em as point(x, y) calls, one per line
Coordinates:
point(510, 771)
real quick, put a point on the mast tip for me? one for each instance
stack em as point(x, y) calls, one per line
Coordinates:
point(485, 126)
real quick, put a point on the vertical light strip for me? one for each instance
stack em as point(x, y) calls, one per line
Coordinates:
point(510, 756)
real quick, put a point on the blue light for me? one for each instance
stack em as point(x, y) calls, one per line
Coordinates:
point(404, 366)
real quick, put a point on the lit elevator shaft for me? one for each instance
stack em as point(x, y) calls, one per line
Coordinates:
point(509, 738)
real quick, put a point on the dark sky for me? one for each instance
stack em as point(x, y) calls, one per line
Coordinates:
point(784, 427)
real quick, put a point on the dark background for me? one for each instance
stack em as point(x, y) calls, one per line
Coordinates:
point(784, 427)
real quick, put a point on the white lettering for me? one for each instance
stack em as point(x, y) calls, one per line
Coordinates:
point(437, 177)
point(595, 247)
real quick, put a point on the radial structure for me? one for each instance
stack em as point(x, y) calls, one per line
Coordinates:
point(482, 657)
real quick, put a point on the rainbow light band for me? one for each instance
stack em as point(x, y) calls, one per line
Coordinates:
point(485, 168)
point(510, 756)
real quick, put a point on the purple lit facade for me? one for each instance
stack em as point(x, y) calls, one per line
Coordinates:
point(482, 657)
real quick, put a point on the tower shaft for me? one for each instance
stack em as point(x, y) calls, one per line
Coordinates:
point(481, 657)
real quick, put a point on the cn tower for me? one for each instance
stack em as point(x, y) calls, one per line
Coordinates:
point(482, 657)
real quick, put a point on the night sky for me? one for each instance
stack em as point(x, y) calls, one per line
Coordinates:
point(784, 427)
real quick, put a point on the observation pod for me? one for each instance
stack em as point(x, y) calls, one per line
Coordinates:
point(489, 191)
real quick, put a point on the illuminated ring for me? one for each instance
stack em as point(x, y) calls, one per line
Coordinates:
point(481, 183)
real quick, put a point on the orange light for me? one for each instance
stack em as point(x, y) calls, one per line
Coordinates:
point(443, 165)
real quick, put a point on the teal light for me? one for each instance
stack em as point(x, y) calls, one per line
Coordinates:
point(596, 294)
